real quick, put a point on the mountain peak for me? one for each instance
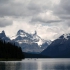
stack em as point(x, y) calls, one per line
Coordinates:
point(65, 36)
point(35, 33)
point(3, 36)
point(21, 32)
point(2, 33)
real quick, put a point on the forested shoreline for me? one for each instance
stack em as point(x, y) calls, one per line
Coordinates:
point(9, 51)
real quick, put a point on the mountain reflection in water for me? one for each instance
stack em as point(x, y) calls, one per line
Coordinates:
point(38, 64)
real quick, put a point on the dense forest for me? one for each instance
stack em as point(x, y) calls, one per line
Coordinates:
point(10, 51)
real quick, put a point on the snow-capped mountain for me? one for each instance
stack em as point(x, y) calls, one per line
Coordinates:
point(25, 37)
point(59, 47)
point(65, 36)
point(30, 42)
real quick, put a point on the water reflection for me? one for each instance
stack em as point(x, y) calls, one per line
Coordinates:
point(29, 66)
point(62, 67)
point(56, 65)
point(36, 65)
point(10, 66)
point(18, 66)
point(2, 66)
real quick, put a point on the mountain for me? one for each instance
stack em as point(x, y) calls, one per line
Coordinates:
point(22, 36)
point(59, 48)
point(30, 42)
point(4, 37)
point(7, 39)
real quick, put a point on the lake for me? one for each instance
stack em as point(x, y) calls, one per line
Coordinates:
point(36, 64)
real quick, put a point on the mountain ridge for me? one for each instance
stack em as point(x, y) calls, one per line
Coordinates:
point(28, 42)
point(33, 37)
point(59, 48)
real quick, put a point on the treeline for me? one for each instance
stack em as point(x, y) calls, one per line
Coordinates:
point(8, 50)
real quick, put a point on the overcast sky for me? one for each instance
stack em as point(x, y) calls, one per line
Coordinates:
point(50, 18)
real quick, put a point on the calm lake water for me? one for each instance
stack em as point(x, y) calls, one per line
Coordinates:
point(36, 64)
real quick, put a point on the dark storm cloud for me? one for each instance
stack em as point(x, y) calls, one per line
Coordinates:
point(63, 9)
point(4, 1)
point(53, 21)
point(34, 8)
point(19, 9)
point(45, 20)
point(23, 8)
point(5, 22)
point(28, 8)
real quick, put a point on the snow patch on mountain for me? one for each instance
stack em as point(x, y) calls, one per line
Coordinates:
point(40, 42)
point(65, 36)
point(13, 37)
point(24, 37)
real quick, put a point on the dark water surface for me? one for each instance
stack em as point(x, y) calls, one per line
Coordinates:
point(36, 64)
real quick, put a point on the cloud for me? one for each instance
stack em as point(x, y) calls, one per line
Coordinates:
point(46, 17)
point(4, 1)
point(5, 22)
point(45, 32)
point(50, 18)
point(13, 8)
point(63, 9)
point(24, 8)
point(38, 10)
